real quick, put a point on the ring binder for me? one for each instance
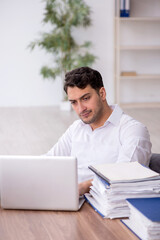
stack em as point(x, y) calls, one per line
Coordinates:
point(124, 8)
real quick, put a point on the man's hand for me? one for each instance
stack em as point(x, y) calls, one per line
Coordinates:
point(84, 187)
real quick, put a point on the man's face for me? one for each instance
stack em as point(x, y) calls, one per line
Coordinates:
point(87, 103)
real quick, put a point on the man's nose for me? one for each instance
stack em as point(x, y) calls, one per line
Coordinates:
point(81, 107)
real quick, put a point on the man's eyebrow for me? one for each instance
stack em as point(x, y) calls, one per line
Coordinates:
point(85, 95)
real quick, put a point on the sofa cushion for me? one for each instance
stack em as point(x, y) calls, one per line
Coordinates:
point(155, 162)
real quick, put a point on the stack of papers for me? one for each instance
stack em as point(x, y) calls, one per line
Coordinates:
point(114, 183)
point(144, 219)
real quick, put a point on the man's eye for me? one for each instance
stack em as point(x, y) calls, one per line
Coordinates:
point(86, 98)
point(73, 103)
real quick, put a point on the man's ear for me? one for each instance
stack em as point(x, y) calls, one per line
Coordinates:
point(102, 93)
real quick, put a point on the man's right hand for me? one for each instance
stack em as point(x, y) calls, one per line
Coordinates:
point(84, 187)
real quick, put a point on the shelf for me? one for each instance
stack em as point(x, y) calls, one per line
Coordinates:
point(141, 76)
point(140, 105)
point(137, 50)
point(133, 19)
point(139, 47)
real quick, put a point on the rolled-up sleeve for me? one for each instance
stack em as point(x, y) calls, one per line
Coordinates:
point(135, 143)
point(64, 145)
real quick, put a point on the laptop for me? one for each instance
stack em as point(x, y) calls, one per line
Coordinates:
point(39, 183)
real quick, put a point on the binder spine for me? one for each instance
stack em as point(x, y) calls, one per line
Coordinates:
point(94, 207)
point(124, 8)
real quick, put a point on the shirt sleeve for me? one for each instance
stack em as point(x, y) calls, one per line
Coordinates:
point(62, 147)
point(135, 144)
point(64, 144)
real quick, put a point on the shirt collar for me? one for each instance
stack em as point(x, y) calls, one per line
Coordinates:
point(115, 116)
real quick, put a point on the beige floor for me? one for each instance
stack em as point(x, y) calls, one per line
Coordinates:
point(34, 130)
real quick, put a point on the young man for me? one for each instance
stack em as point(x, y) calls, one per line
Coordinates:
point(104, 134)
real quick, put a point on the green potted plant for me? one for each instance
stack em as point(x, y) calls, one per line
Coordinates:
point(64, 16)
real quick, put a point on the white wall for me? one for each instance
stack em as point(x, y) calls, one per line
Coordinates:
point(20, 23)
point(102, 36)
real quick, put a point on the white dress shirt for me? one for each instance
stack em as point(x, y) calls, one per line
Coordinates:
point(120, 139)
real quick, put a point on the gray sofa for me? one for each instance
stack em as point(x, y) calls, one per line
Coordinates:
point(155, 162)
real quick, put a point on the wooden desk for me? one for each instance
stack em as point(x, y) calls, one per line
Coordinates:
point(85, 224)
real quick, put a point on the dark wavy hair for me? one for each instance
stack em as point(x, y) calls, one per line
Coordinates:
point(83, 76)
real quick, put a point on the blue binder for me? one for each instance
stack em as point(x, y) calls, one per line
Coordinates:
point(124, 8)
point(87, 200)
point(149, 207)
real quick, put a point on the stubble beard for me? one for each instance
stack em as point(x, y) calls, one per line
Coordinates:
point(96, 116)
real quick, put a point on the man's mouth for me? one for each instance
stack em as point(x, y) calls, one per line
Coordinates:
point(85, 114)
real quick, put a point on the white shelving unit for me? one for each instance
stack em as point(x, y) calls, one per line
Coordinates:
point(137, 54)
